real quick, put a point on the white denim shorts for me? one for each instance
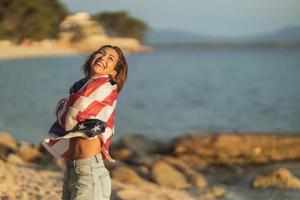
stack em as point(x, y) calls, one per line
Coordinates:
point(86, 179)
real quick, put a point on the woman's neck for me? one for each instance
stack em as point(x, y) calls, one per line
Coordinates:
point(98, 76)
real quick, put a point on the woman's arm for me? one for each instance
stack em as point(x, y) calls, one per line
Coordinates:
point(91, 104)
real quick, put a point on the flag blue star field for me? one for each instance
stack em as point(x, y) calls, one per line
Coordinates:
point(88, 112)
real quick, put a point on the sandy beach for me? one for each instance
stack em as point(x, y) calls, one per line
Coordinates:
point(30, 181)
point(14, 52)
point(31, 51)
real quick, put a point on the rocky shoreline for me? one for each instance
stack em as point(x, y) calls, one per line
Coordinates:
point(188, 167)
point(86, 37)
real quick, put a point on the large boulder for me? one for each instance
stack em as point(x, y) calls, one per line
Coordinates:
point(143, 159)
point(191, 175)
point(121, 154)
point(8, 145)
point(141, 144)
point(279, 178)
point(4, 152)
point(14, 159)
point(8, 141)
point(233, 148)
point(166, 175)
point(28, 152)
point(127, 175)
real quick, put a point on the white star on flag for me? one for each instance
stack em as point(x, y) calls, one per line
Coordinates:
point(96, 128)
point(81, 126)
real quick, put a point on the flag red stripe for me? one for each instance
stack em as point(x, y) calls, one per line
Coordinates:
point(87, 90)
point(65, 154)
point(107, 143)
point(94, 108)
point(109, 100)
point(52, 142)
point(110, 121)
point(73, 98)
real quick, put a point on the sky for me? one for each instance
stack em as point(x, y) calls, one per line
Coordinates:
point(209, 17)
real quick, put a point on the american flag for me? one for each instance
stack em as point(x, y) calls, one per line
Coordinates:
point(88, 112)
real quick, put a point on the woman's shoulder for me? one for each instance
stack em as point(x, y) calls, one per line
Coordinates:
point(103, 87)
point(105, 82)
point(78, 84)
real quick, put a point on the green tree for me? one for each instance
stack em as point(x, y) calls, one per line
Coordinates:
point(34, 19)
point(121, 24)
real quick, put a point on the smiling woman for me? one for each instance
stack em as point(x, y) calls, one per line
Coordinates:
point(85, 125)
point(104, 62)
point(113, 56)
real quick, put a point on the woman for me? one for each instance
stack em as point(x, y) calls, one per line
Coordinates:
point(85, 125)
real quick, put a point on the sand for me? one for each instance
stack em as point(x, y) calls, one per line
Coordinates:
point(13, 52)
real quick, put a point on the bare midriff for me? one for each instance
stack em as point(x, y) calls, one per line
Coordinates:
point(82, 148)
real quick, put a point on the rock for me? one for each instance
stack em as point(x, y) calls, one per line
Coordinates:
point(149, 191)
point(195, 161)
point(213, 193)
point(4, 152)
point(121, 153)
point(126, 175)
point(279, 178)
point(8, 141)
point(144, 171)
point(143, 159)
point(141, 144)
point(134, 194)
point(27, 151)
point(8, 145)
point(166, 175)
point(233, 148)
point(14, 159)
point(192, 176)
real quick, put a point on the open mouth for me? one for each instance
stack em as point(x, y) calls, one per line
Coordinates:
point(98, 62)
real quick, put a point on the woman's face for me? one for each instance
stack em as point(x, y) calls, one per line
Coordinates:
point(104, 62)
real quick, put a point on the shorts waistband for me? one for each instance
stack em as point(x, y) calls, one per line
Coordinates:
point(82, 161)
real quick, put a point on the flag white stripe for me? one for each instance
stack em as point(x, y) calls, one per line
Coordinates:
point(105, 113)
point(102, 92)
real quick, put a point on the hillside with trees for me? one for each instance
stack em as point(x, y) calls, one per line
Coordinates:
point(30, 28)
point(120, 24)
point(40, 19)
point(34, 19)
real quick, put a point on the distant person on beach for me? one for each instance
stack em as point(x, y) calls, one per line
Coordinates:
point(85, 125)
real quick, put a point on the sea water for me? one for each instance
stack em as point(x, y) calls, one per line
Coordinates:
point(169, 92)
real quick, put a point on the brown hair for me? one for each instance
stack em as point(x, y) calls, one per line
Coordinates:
point(121, 67)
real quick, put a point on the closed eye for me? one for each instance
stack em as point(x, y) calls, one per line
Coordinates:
point(101, 52)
